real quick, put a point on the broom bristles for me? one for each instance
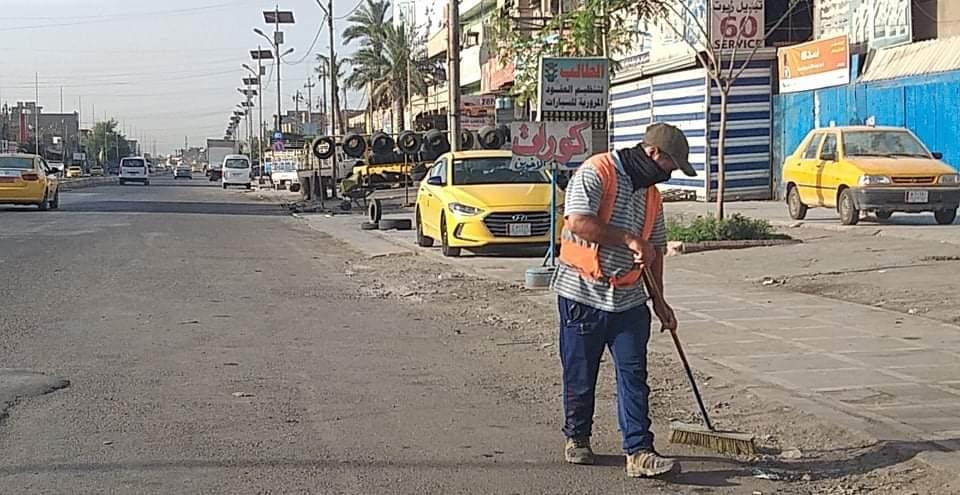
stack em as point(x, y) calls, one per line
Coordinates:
point(723, 442)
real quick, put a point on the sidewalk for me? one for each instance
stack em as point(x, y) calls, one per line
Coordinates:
point(902, 225)
point(889, 375)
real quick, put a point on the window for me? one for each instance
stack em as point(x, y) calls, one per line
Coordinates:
point(883, 143)
point(16, 162)
point(829, 147)
point(236, 163)
point(811, 152)
point(494, 170)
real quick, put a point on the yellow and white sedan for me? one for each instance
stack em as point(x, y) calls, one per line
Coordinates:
point(476, 199)
point(28, 180)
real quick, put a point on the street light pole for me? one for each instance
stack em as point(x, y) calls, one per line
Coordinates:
point(333, 99)
point(453, 71)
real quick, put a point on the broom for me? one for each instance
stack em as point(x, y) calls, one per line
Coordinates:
point(725, 442)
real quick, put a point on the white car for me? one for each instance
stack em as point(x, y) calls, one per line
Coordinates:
point(236, 171)
point(134, 169)
point(183, 173)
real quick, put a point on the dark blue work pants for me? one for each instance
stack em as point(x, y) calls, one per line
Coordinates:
point(584, 333)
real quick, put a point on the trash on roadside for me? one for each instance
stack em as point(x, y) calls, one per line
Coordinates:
point(791, 454)
point(242, 395)
point(765, 476)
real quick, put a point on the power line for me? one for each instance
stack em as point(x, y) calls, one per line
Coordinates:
point(108, 18)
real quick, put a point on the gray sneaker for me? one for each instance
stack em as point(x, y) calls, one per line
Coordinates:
point(578, 451)
point(648, 463)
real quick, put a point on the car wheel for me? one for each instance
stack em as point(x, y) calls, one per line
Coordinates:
point(945, 217)
point(448, 251)
point(798, 210)
point(422, 240)
point(884, 214)
point(849, 214)
point(55, 204)
point(375, 210)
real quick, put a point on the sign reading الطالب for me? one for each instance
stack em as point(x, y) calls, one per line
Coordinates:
point(574, 84)
point(536, 145)
point(736, 24)
point(813, 65)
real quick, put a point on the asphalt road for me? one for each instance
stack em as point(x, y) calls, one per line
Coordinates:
point(162, 304)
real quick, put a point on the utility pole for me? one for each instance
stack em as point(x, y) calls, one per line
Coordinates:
point(333, 99)
point(323, 101)
point(277, 41)
point(453, 73)
point(36, 115)
point(309, 86)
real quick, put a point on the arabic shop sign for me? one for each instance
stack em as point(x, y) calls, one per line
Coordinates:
point(736, 24)
point(550, 144)
point(574, 84)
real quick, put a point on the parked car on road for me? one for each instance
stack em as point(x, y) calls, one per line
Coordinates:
point(74, 171)
point(182, 172)
point(134, 169)
point(475, 199)
point(28, 180)
point(96, 171)
point(869, 169)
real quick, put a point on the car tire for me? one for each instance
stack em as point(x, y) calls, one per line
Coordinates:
point(375, 210)
point(798, 210)
point(446, 250)
point(883, 214)
point(44, 204)
point(422, 239)
point(369, 226)
point(945, 217)
point(55, 203)
point(849, 214)
point(395, 223)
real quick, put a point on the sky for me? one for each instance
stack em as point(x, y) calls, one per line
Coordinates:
point(166, 70)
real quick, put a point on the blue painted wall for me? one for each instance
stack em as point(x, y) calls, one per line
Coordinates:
point(927, 105)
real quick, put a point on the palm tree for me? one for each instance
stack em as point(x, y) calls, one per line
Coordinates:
point(384, 70)
point(323, 70)
point(367, 23)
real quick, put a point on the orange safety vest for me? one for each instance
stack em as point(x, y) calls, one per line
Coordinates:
point(585, 257)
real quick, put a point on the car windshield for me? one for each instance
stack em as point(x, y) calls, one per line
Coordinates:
point(285, 167)
point(132, 164)
point(236, 163)
point(883, 143)
point(16, 162)
point(477, 171)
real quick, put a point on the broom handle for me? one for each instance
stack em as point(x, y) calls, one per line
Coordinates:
point(657, 294)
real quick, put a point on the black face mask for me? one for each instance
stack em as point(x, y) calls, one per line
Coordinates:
point(643, 171)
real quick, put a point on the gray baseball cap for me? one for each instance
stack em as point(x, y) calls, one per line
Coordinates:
point(671, 141)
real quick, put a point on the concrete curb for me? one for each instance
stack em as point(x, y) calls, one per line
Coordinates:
point(70, 185)
point(679, 247)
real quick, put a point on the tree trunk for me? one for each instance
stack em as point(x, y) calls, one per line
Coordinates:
point(398, 116)
point(721, 150)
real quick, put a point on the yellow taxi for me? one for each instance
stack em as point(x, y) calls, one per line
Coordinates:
point(74, 171)
point(28, 180)
point(478, 199)
point(880, 170)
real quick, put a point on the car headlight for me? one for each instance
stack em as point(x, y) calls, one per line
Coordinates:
point(950, 180)
point(461, 209)
point(874, 180)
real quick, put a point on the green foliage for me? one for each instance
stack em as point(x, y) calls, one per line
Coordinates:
point(524, 43)
point(102, 145)
point(709, 228)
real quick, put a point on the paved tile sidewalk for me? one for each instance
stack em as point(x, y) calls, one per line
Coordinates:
point(890, 375)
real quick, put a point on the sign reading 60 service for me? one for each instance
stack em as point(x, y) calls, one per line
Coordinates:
point(576, 84)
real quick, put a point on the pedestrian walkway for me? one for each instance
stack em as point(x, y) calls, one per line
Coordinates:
point(908, 226)
point(890, 375)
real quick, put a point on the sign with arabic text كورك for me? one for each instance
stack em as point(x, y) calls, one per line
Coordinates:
point(550, 144)
point(736, 24)
point(574, 84)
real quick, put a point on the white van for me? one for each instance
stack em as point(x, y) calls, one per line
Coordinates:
point(134, 169)
point(236, 171)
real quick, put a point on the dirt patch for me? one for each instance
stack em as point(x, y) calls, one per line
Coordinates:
point(516, 328)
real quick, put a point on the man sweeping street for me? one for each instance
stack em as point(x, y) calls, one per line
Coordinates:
point(613, 227)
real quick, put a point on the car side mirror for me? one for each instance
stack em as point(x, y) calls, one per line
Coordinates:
point(937, 155)
point(828, 157)
point(435, 181)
